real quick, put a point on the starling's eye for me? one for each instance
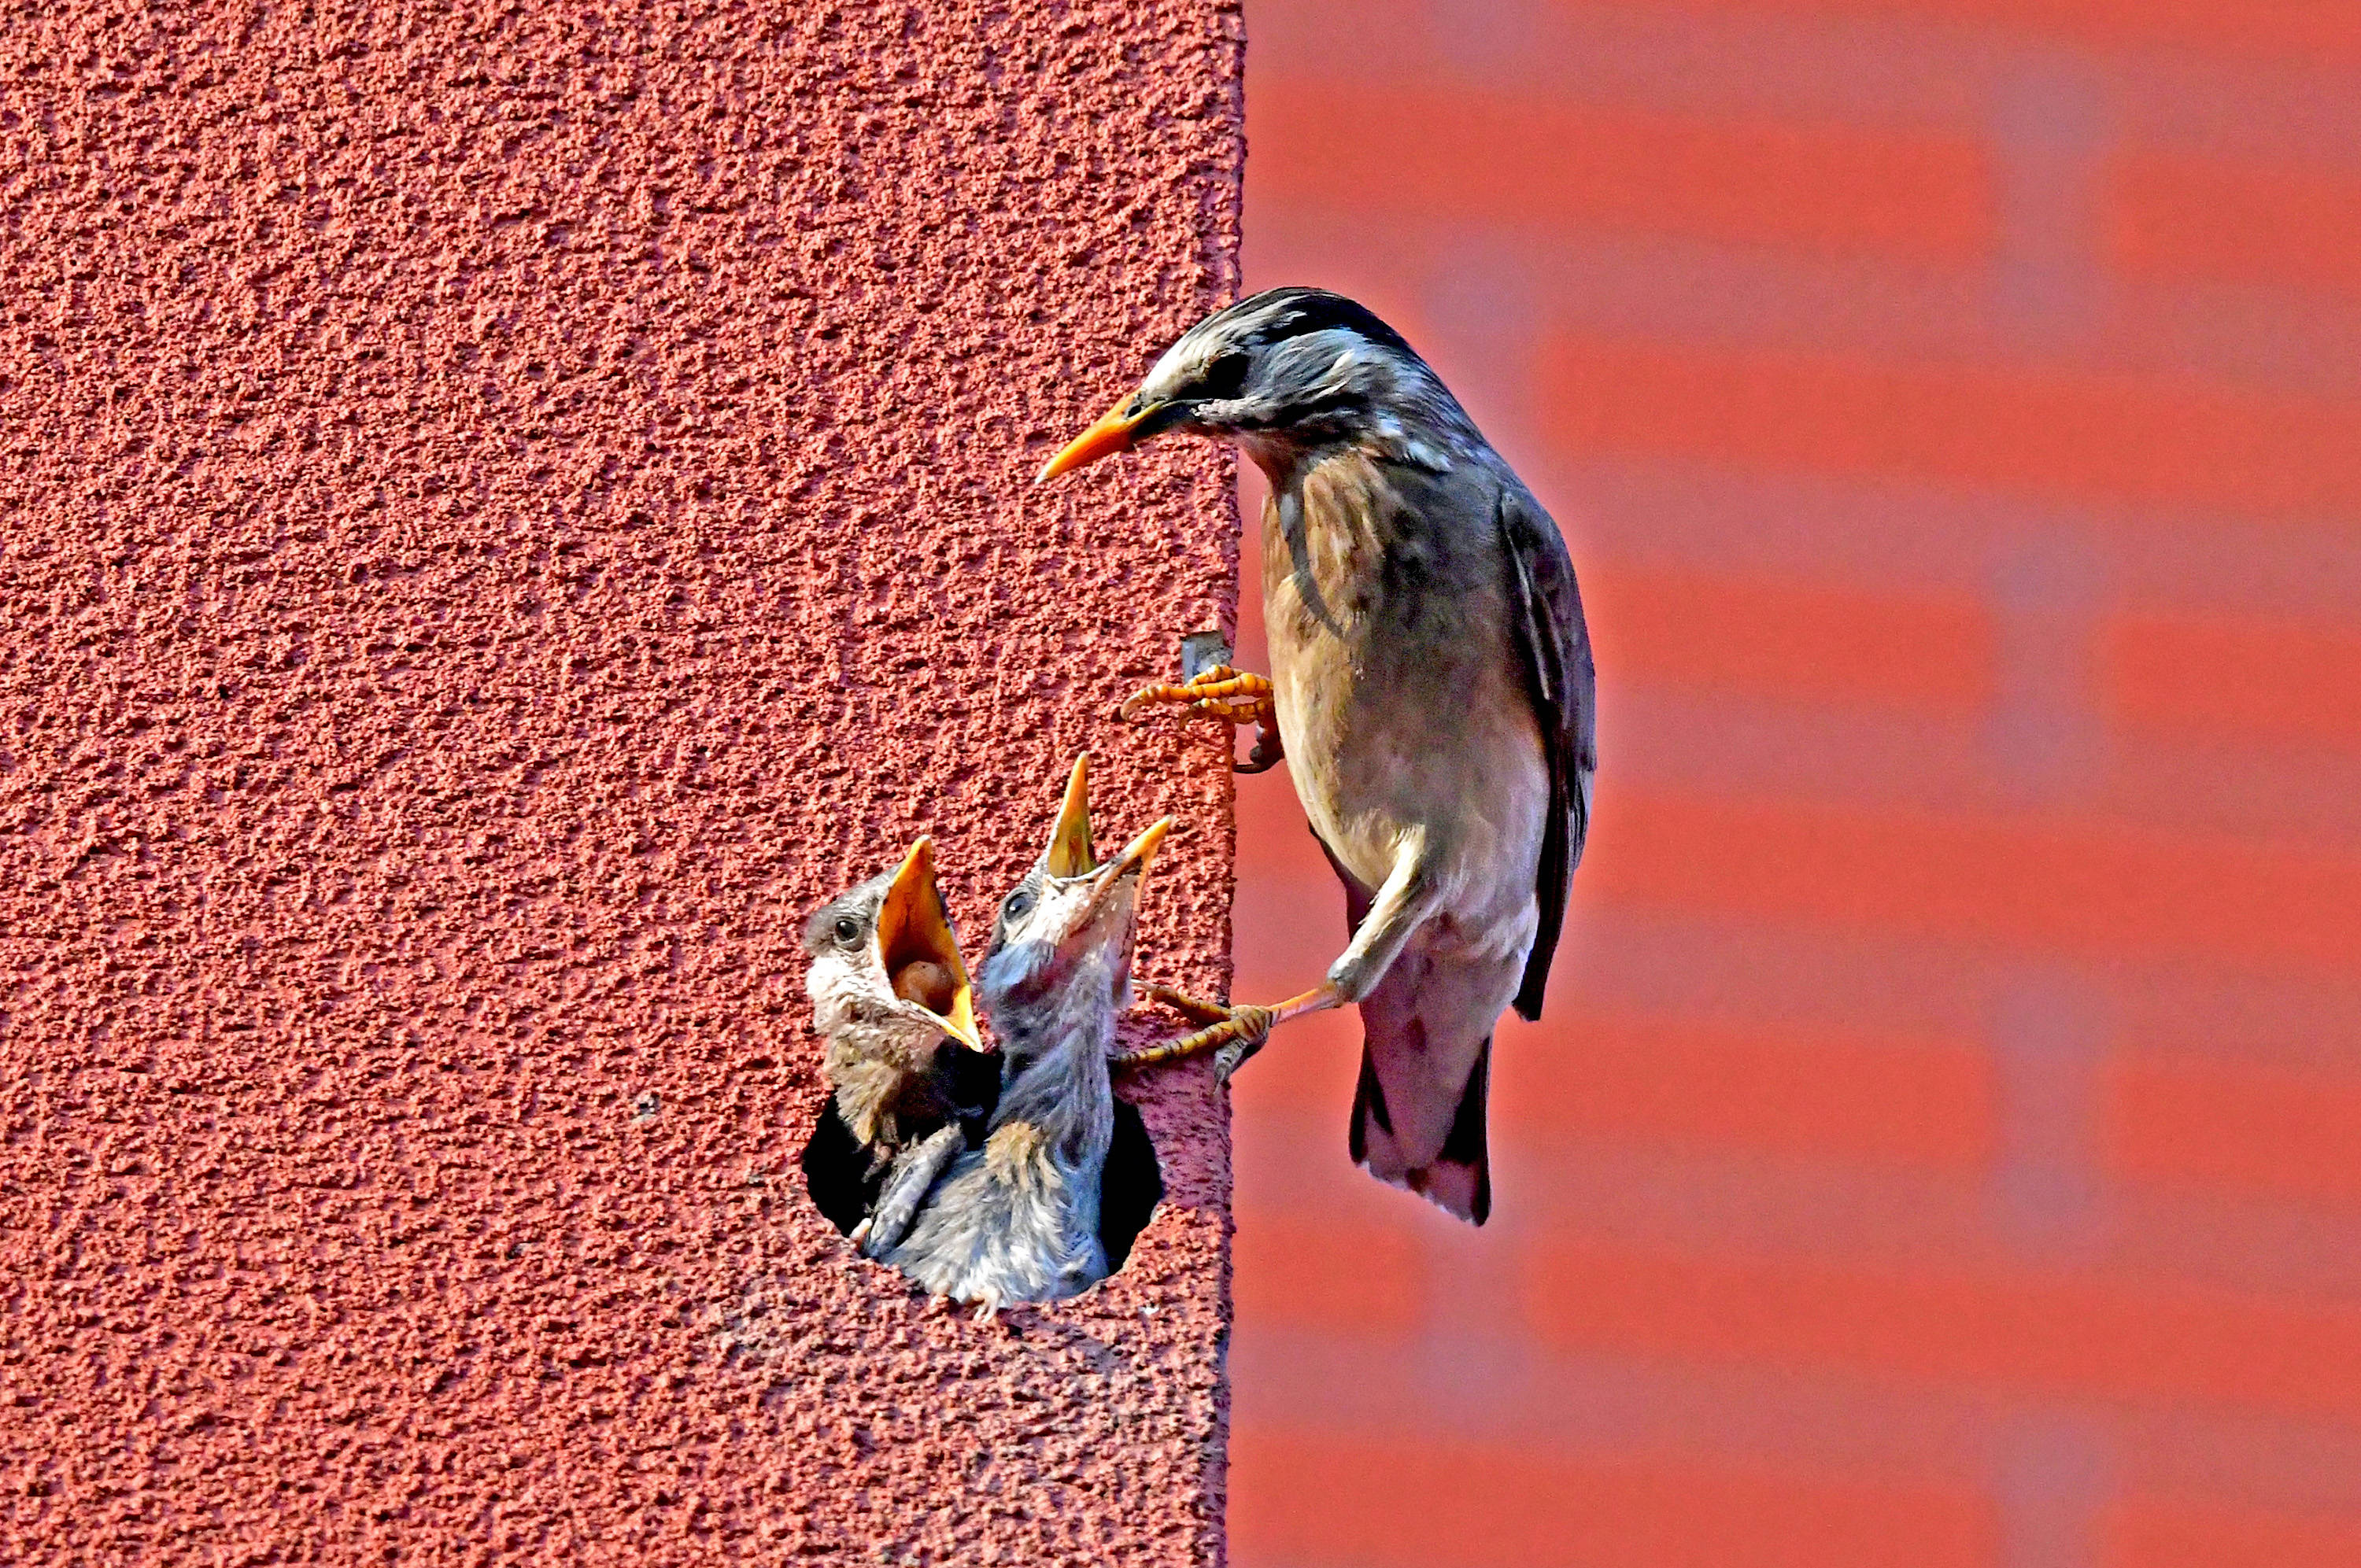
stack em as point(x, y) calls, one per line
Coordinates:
point(1226, 377)
point(1019, 905)
point(848, 930)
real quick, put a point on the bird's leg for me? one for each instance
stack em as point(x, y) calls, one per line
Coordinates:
point(1235, 1033)
point(1404, 902)
point(1224, 693)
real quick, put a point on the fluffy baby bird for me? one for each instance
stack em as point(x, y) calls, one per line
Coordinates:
point(1018, 1219)
point(891, 996)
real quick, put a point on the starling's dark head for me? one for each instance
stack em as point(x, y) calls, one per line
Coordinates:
point(1064, 933)
point(885, 966)
point(1288, 369)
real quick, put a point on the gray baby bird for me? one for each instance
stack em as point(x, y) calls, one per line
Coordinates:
point(1018, 1219)
point(888, 990)
point(1430, 687)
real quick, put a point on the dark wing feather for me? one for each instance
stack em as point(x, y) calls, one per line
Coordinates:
point(1553, 643)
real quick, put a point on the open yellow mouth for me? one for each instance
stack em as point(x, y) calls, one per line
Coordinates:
point(1071, 854)
point(920, 954)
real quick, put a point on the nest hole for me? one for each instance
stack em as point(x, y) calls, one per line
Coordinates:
point(844, 1187)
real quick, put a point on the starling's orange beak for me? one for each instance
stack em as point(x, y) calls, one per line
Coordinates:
point(1070, 841)
point(1116, 431)
point(920, 954)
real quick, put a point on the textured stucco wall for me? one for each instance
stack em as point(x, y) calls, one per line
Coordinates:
point(504, 507)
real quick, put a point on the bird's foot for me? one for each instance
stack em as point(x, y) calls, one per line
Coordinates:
point(1194, 1009)
point(1233, 1032)
point(1224, 693)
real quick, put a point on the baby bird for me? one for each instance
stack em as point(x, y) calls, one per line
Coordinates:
point(1018, 1219)
point(891, 995)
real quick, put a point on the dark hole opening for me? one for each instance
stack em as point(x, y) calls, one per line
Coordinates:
point(844, 1187)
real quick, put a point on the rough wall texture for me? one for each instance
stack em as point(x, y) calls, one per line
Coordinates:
point(504, 507)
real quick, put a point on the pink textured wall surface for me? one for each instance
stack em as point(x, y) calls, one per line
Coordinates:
point(505, 507)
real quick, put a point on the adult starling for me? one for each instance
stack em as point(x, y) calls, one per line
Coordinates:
point(892, 998)
point(1018, 1219)
point(1432, 686)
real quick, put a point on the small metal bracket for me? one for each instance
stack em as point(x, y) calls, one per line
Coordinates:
point(1201, 650)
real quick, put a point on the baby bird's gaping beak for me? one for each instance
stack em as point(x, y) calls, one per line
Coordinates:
point(920, 956)
point(1070, 854)
point(1132, 862)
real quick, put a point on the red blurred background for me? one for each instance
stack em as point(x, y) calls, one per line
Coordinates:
point(1944, 1144)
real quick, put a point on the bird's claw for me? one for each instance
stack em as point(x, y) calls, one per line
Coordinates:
point(1221, 692)
point(1190, 1007)
point(1232, 1033)
point(1229, 1057)
point(1267, 753)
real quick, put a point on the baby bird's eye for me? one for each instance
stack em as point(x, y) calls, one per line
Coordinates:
point(848, 930)
point(1018, 905)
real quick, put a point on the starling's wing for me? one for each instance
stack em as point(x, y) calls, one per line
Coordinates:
point(915, 1171)
point(1545, 613)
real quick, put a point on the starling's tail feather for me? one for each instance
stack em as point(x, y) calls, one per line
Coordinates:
point(1459, 1179)
point(1427, 1031)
